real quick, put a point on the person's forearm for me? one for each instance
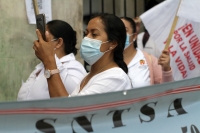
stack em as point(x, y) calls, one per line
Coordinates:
point(166, 69)
point(167, 76)
point(55, 84)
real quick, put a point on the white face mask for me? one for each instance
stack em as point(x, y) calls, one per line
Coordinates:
point(90, 50)
point(128, 43)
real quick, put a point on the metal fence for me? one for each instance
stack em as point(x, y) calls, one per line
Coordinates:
point(114, 5)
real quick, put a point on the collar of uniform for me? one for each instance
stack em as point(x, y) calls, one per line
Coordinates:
point(64, 59)
point(139, 55)
point(68, 57)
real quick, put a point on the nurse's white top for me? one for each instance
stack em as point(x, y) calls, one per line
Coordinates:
point(36, 87)
point(114, 79)
point(138, 70)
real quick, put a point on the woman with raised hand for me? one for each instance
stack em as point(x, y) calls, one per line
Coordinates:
point(102, 48)
point(144, 69)
point(62, 39)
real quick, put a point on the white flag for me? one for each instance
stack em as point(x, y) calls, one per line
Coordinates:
point(190, 9)
point(185, 44)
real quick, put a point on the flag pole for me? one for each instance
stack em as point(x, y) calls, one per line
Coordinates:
point(173, 27)
point(35, 6)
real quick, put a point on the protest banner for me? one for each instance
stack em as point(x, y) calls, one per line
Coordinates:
point(185, 44)
point(166, 108)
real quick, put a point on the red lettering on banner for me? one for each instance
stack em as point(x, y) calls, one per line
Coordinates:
point(183, 47)
point(188, 30)
point(189, 60)
point(173, 53)
point(182, 27)
point(195, 46)
point(181, 67)
point(197, 55)
point(194, 41)
point(177, 37)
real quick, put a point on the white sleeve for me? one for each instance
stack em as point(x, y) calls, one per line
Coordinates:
point(22, 94)
point(70, 83)
point(72, 75)
point(105, 83)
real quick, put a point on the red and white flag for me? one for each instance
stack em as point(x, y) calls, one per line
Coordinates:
point(185, 44)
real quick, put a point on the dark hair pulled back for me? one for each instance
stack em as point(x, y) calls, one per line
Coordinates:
point(61, 29)
point(116, 32)
point(133, 26)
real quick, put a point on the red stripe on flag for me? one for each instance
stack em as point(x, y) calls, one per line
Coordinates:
point(99, 106)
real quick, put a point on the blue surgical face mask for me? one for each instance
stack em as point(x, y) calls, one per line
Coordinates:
point(90, 50)
point(127, 43)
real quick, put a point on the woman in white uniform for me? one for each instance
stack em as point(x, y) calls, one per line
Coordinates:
point(71, 72)
point(102, 48)
point(144, 69)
